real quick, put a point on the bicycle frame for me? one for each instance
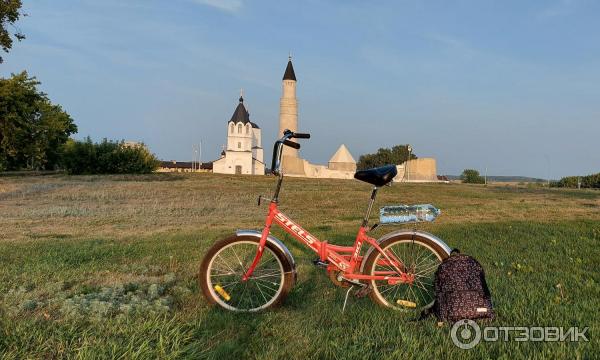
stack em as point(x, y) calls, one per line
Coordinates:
point(345, 258)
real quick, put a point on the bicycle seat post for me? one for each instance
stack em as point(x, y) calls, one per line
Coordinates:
point(365, 222)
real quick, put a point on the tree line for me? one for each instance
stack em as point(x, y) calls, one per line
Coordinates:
point(35, 135)
point(585, 182)
point(396, 155)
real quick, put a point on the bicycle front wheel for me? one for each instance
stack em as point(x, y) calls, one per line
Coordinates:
point(419, 258)
point(226, 263)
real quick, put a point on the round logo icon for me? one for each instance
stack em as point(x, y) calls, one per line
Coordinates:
point(465, 334)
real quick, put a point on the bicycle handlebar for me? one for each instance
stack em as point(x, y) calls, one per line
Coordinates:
point(278, 147)
point(291, 144)
point(301, 136)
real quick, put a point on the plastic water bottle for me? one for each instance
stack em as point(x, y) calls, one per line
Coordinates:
point(401, 214)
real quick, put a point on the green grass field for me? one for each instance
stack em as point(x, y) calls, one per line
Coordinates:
point(104, 267)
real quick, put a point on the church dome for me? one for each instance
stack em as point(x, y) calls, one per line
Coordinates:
point(240, 114)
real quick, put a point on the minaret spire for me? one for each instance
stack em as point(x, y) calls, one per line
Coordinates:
point(289, 70)
point(242, 95)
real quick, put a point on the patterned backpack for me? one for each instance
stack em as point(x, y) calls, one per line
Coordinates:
point(461, 291)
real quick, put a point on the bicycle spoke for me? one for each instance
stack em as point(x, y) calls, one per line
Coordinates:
point(259, 290)
point(239, 261)
point(414, 259)
point(261, 293)
point(225, 263)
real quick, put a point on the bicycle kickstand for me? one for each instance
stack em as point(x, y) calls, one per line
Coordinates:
point(346, 298)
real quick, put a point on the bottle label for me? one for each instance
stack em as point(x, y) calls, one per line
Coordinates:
point(402, 214)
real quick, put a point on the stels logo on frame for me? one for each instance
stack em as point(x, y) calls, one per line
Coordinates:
point(295, 228)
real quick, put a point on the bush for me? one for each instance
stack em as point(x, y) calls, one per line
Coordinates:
point(470, 176)
point(107, 157)
point(587, 182)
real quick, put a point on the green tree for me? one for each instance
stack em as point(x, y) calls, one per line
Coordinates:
point(586, 182)
point(396, 155)
point(471, 176)
point(32, 129)
point(10, 12)
point(107, 157)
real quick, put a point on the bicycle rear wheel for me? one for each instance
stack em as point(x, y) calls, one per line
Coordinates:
point(226, 263)
point(420, 258)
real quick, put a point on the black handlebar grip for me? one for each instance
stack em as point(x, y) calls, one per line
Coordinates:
point(301, 136)
point(274, 161)
point(292, 144)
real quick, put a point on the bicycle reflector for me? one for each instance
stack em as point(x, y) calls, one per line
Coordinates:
point(406, 303)
point(222, 292)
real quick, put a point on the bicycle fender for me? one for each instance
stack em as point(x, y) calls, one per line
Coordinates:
point(416, 233)
point(277, 243)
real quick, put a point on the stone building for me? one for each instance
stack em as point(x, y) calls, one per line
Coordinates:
point(417, 170)
point(341, 166)
point(342, 160)
point(243, 153)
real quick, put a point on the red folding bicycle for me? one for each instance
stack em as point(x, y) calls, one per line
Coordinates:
point(252, 270)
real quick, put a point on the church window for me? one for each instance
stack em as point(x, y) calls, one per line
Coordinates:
point(247, 129)
point(239, 145)
point(231, 128)
point(239, 128)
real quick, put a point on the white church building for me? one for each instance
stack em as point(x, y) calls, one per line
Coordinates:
point(244, 152)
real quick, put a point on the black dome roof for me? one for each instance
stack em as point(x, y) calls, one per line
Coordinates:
point(242, 115)
point(289, 72)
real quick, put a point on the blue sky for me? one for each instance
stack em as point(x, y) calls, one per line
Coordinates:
point(513, 86)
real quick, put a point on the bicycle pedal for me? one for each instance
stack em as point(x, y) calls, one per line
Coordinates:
point(320, 263)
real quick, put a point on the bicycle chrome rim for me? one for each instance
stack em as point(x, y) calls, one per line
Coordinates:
point(228, 266)
point(419, 259)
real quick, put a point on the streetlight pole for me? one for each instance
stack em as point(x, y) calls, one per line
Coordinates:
point(548, 170)
point(409, 148)
point(485, 177)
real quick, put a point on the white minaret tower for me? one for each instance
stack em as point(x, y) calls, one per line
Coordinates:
point(288, 119)
point(288, 106)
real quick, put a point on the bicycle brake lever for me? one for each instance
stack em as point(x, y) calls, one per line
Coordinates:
point(260, 198)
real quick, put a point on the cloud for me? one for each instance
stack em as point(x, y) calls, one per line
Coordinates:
point(224, 5)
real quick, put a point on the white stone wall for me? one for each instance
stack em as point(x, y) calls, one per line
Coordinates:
point(323, 172)
point(228, 163)
point(257, 150)
point(259, 167)
point(417, 170)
